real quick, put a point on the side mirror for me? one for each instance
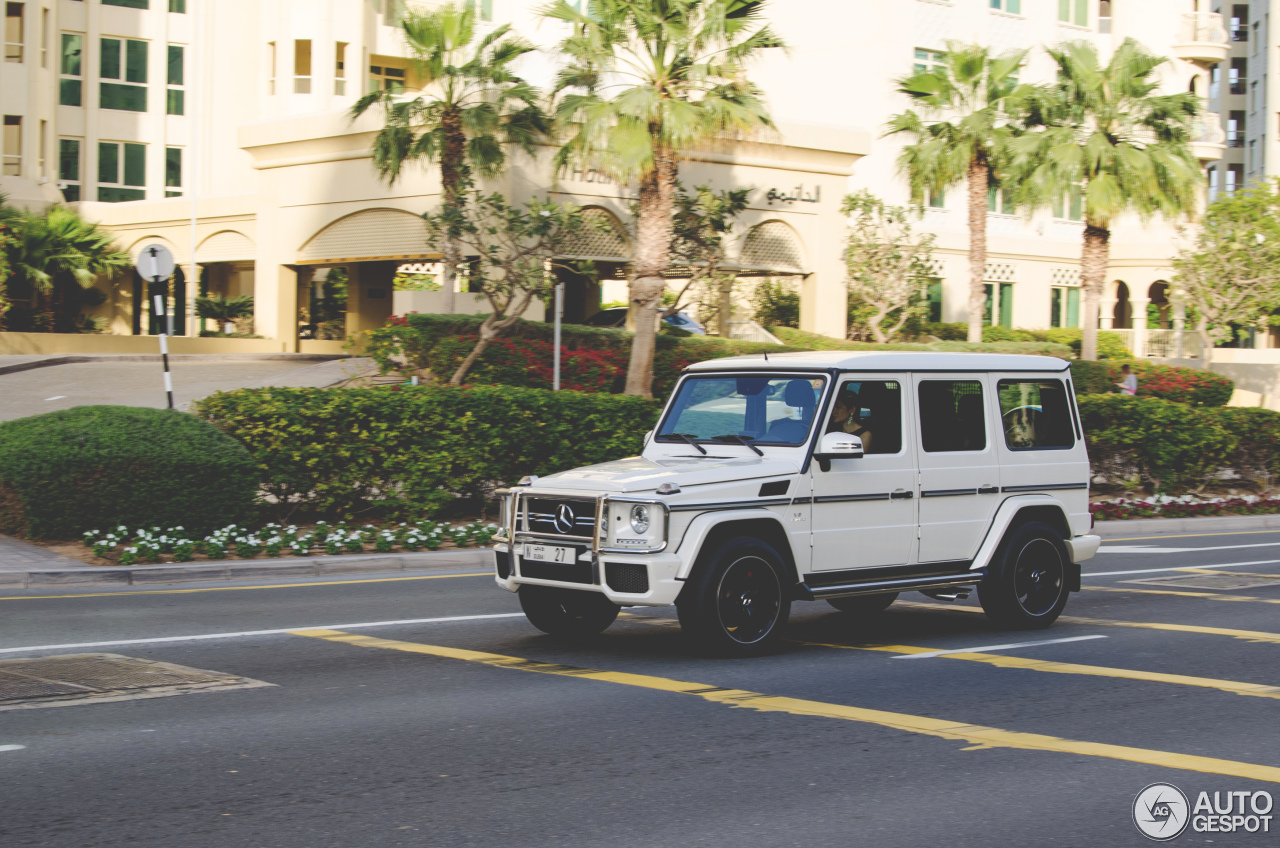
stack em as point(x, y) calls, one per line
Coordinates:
point(837, 446)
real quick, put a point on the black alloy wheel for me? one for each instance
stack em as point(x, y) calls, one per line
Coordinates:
point(1026, 588)
point(567, 612)
point(738, 604)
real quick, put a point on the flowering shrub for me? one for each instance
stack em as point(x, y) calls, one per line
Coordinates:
point(528, 362)
point(1182, 507)
point(1193, 386)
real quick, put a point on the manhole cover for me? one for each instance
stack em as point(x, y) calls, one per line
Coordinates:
point(1213, 581)
point(80, 678)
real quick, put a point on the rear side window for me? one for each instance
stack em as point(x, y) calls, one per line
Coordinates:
point(951, 416)
point(1035, 414)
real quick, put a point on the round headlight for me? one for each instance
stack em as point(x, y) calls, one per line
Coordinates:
point(640, 519)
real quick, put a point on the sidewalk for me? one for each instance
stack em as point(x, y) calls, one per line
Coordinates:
point(24, 566)
point(1213, 524)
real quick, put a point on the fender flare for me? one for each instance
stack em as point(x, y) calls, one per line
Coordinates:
point(1005, 517)
point(702, 525)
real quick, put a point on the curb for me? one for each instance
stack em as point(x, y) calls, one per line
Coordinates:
point(1186, 525)
point(173, 357)
point(320, 566)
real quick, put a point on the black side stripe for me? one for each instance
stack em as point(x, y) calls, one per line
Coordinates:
point(947, 493)
point(881, 496)
point(1046, 487)
point(730, 504)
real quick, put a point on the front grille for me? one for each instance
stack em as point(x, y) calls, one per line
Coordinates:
point(575, 572)
point(503, 560)
point(629, 577)
point(560, 516)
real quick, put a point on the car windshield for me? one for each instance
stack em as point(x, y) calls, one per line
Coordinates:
point(767, 410)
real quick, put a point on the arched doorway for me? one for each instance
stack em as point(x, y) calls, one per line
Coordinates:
point(1122, 314)
point(1160, 312)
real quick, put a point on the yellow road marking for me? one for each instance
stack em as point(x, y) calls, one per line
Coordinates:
point(978, 736)
point(247, 588)
point(1106, 539)
point(1246, 635)
point(1183, 594)
point(1004, 661)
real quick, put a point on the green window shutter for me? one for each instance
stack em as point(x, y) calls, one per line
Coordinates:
point(175, 75)
point(992, 199)
point(935, 301)
point(1059, 209)
point(72, 54)
point(1082, 12)
point(109, 58)
point(1073, 307)
point(1077, 205)
point(131, 4)
point(178, 6)
point(129, 98)
point(108, 162)
point(173, 167)
point(135, 164)
point(1064, 10)
point(986, 307)
point(175, 102)
point(1014, 6)
point(69, 159)
point(1055, 307)
point(136, 61)
point(70, 92)
point(1006, 304)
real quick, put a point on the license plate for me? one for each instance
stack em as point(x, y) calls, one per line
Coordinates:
point(549, 553)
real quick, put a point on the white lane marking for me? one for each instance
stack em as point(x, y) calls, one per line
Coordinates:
point(986, 648)
point(1180, 568)
point(12, 747)
point(1150, 549)
point(245, 633)
point(56, 397)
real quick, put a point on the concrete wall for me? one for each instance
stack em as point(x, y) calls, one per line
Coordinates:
point(47, 344)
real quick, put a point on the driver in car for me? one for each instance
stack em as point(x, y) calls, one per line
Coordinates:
point(846, 417)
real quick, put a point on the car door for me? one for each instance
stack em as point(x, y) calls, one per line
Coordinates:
point(959, 470)
point(864, 510)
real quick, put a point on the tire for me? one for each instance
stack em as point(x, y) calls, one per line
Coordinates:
point(738, 604)
point(1027, 587)
point(567, 612)
point(864, 605)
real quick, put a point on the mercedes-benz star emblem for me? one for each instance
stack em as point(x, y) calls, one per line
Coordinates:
point(565, 519)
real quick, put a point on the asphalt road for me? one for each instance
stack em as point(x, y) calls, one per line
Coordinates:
point(413, 733)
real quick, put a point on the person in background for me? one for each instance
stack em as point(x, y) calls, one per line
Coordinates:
point(1128, 381)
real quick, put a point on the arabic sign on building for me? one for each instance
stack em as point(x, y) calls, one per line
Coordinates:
point(777, 195)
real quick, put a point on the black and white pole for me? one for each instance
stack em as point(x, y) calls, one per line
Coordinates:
point(166, 331)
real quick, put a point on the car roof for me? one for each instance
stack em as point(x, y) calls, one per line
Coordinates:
point(883, 360)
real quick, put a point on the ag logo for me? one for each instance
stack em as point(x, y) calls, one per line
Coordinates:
point(1161, 812)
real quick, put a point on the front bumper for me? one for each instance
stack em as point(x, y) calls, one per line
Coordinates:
point(618, 583)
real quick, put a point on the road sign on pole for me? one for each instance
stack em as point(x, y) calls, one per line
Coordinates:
point(155, 263)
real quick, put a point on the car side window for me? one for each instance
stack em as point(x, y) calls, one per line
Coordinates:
point(871, 410)
point(951, 413)
point(1035, 414)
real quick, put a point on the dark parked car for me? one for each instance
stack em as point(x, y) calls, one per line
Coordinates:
point(617, 317)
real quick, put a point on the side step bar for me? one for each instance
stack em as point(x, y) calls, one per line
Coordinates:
point(901, 584)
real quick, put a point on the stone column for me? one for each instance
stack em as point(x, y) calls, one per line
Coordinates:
point(193, 272)
point(1179, 329)
point(1106, 313)
point(1138, 306)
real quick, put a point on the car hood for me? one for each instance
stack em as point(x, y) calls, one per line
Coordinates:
point(638, 474)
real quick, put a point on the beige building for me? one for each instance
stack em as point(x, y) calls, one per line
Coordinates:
point(219, 128)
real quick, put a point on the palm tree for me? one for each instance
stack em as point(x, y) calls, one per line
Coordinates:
point(644, 80)
point(1103, 131)
point(962, 134)
point(469, 104)
point(224, 310)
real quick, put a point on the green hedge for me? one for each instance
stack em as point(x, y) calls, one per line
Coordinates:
point(1092, 378)
point(1256, 455)
point(412, 450)
point(1194, 386)
point(96, 467)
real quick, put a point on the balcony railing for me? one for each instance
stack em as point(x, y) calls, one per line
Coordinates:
point(1239, 87)
point(1202, 28)
point(1208, 130)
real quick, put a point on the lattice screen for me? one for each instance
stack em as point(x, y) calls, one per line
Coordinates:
point(604, 238)
point(937, 268)
point(773, 246)
point(1001, 272)
point(1066, 277)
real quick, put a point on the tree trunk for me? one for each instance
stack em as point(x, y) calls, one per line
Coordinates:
point(492, 327)
point(452, 176)
point(1206, 342)
point(979, 178)
point(1093, 268)
point(725, 308)
point(653, 255)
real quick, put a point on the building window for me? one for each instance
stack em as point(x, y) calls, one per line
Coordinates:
point(935, 199)
point(271, 67)
point(340, 69)
point(1235, 129)
point(69, 168)
point(1253, 97)
point(1240, 23)
point(1212, 173)
point(483, 9)
point(999, 303)
point(71, 83)
point(122, 171)
point(1235, 178)
point(13, 37)
point(302, 66)
point(934, 294)
point(12, 146)
point(1074, 12)
point(178, 7)
point(173, 172)
point(132, 4)
point(1013, 7)
point(41, 150)
point(386, 78)
point(928, 60)
point(1238, 75)
point(1000, 201)
point(1064, 307)
point(175, 94)
point(1253, 152)
point(124, 60)
point(1215, 82)
point(1070, 207)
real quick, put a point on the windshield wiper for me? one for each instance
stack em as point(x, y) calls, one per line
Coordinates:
point(684, 437)
point(742, 440)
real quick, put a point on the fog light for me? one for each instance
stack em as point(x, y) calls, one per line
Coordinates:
point(640, 519)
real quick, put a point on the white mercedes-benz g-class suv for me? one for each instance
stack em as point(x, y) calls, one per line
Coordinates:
point(836, 476)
